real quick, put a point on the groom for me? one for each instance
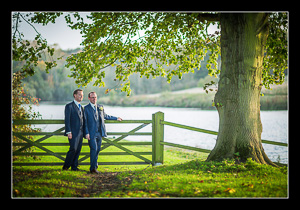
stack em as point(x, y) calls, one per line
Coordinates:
point(75, 129)
point(95, 116)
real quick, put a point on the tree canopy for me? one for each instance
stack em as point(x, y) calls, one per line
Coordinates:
point(150, 43)
point(176, 42)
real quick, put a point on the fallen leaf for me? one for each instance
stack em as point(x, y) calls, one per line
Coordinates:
point(230, 190)
point(17, 192)
point(197, 192)
point(217, 192)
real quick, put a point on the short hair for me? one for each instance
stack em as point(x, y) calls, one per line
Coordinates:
point(76, 91)
point(91, 92)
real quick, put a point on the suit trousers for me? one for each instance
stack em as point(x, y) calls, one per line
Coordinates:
point(74, 151)
point(95, 145)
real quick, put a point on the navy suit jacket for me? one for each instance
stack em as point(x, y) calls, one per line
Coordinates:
point(73, 121)
point(91, 120)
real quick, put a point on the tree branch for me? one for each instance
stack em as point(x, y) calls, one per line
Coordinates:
point(107, 65)
point(31, 26)
point(17, 21)
point(134, 20)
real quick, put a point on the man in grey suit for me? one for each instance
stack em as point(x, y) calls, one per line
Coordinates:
point(75, 129)
point(95, 116)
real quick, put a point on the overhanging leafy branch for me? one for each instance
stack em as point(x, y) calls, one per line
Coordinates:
point(30, 53)
point(173, 44)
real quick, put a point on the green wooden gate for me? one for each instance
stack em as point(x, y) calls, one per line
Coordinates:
point(156, 134)
point(157, 143)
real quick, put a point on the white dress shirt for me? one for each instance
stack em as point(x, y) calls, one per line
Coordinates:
point(77, 104)
point(93, 106)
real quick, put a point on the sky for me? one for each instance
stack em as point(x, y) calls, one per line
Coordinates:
point(59, 33)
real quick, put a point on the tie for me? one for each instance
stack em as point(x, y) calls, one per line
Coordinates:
point(79, 107)
point(96, 113)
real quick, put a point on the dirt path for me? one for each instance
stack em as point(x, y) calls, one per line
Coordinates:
point(93, 183)
point(102, 182)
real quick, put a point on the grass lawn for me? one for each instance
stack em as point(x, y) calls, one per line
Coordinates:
point(183, 174)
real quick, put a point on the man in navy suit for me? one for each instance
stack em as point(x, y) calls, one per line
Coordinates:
point(75, 129)
point(95, 116)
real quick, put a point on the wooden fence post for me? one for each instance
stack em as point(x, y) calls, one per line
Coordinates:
point(157, 138)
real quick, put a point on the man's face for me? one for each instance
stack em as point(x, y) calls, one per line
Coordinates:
point(93, 98)
point(78, 96)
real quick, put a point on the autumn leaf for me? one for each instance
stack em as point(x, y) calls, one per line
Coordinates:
point(230, 190)
point(17, 192)
point(197, 192)
point(107, 91)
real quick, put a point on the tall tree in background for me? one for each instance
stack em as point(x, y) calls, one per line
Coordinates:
point(253, 50)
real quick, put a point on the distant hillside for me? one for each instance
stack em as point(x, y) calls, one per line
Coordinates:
point(275, 99)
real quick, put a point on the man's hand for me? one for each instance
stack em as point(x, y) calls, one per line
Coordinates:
point(70, 135)
point(87, 136)
point(120, 119)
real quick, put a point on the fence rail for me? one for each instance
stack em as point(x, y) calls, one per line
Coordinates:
point(59, 121)
point(216, 133)
point(157, 143)
point(61, 155)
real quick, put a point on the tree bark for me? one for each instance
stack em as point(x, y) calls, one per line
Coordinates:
point(243, 39)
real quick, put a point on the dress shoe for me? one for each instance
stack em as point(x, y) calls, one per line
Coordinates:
point(94, 171)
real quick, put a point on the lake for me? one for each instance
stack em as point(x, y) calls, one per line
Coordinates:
point(275, 125)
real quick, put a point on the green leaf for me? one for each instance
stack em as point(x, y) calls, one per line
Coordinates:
point(237, 154)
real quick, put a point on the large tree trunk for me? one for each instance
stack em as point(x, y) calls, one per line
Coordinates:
point(243, 38)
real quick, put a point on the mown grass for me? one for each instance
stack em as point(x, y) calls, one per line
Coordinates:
point(197, 178)
point(183, 174)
